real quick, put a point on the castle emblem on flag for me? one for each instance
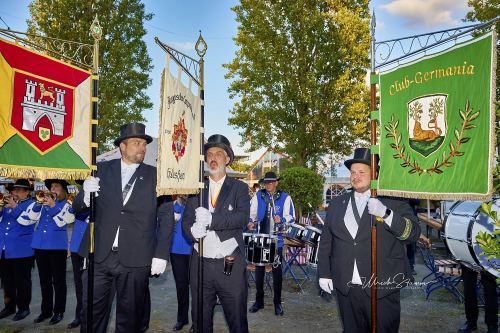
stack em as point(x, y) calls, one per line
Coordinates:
point(179, 139)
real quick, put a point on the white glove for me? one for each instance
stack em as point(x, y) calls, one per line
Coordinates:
point(177, 217)
point(326, 285)
point(158, 266)
point(91, 184)
point(203, 216)
point(198, 230)
point(376, 207)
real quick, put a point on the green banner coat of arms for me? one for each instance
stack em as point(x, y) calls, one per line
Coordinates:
point(437, 124)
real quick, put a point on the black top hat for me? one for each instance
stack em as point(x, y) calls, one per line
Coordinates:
point(270, 177)
point(219, 140)
point(361, 155)
point(133, 130)
point(49, 182)
point(22, 183)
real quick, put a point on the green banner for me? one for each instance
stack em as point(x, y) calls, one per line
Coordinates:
point(437, 124)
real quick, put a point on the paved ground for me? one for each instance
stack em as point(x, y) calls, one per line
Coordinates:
point(304, 312)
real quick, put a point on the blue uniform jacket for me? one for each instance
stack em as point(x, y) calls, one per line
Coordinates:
point(15, 238)
point(79, 228)
point(181, 244)
point(48, 236)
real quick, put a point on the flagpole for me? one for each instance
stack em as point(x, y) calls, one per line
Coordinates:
point(201, 49)
point(373, 137)
point(96, 32)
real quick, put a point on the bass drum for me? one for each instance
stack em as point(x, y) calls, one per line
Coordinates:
point(461, 226)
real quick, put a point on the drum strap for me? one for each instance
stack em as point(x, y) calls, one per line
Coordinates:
point(355, 209)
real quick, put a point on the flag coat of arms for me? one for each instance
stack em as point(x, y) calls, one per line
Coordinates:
point(179, 137)
point(437, 124)
point(45, 116)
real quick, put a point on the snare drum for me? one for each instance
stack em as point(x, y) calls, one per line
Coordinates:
point(261, 248)
point(294, 234)
point(311, 236)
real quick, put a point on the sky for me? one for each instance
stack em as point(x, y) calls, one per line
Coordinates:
point(177, 23)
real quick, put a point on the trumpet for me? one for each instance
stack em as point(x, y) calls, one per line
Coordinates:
point(70, 198)
point(41, 195)
point(4, 199)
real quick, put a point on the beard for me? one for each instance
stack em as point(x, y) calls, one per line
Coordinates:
point(219, 170)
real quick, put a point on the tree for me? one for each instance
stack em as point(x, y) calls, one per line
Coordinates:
point(299, 76)
point(304, 186)
point(124, 62)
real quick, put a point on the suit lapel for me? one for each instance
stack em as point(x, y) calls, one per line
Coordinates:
point(137, 185)
point(224, 192)
point(341, 214)
point(116, 180)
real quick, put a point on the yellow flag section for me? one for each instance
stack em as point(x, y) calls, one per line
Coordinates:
point(45, 116)
point(179, 137)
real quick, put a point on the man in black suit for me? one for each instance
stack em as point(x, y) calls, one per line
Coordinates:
point(345, 251)
point(132, 237)
point(220, 222)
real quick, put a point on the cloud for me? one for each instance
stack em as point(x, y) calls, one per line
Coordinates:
point(182, 46)
point(430, 13)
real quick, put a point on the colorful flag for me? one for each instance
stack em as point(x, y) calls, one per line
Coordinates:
point(179, 137)
point(437, 124)
point(45, 117)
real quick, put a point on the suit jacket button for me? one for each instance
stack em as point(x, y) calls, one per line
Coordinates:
point(355, 243)
point(121, 213)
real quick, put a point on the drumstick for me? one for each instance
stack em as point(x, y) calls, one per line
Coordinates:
point(317, 215)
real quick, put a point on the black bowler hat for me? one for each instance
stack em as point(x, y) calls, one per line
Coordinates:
point(49, 182)
point(270, 177)
point(219, 140)
point(22, 183)
point(361, 155)
point(133, 130)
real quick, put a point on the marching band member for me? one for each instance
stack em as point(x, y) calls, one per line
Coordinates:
point(132, 237)
point(180, 252)
point(16, 262)
point(282, 211)
point(50, 242)
point(220, 221)
point(345, 251)
point(79, 227)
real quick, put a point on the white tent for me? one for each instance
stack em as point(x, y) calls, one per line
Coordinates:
point(151, 157)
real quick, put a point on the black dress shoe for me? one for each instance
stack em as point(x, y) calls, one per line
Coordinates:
point(7, 311)
point(74, 324)
point(467, 327)
point(57, 317)
point(178, 326)
point(278, 310)
point(492, 329)
point(255, 307)
point(20, 315)
point(42, 317)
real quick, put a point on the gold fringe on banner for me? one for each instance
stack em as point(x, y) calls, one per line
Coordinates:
point(41, 173)
point(172, 191)
point(437, 196)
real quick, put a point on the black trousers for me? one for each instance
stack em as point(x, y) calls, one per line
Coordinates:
point(355, 311)
point(180, 268)
point(16, 279)
point(131, 285)
point(77, 263)
point(231, 289)
point(277, 281)
point(52, 272)
point(469, 277)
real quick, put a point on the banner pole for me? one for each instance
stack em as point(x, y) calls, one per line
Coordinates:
point(373, 223)
point(96, 32)
point(201, 49)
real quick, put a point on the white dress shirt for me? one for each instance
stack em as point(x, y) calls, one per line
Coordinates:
point(212, 244)
point(127, 170)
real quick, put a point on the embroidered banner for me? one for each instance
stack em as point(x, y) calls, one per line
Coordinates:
point(44, 116)
point(179, 136)
point(437, 124)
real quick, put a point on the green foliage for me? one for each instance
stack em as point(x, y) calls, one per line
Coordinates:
point(124, 61)
point(240, 167)
point(490, 244)
point(304, 186)
point(299, 76)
